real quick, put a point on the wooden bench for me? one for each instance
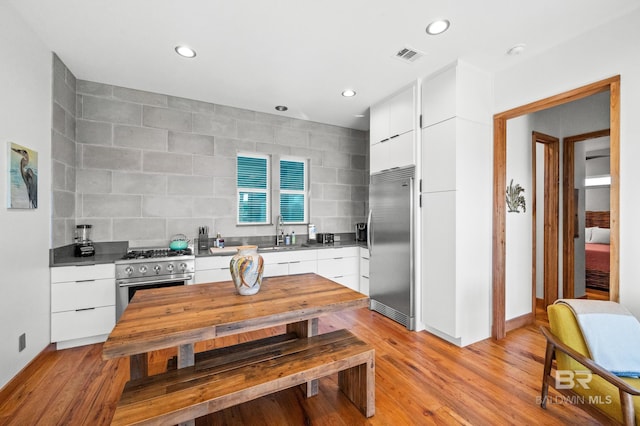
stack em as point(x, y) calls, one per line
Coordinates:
point(229, 376)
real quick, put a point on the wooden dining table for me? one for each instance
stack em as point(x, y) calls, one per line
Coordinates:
point(184, 315)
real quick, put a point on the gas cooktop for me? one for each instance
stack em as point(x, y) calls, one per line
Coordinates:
point(155, 253)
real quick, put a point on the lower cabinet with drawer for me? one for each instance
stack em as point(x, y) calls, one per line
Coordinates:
point(290, 262)
point(212, 269)
point(83, 300)
point(364, 270)
point(340, 265)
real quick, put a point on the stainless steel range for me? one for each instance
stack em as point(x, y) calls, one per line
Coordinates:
point(146, 268)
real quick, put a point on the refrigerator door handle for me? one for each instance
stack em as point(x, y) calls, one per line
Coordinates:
point(369, 233)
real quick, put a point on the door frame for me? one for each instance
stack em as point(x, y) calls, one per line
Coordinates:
point(498, 329)
point(569, 209)
point(551, 216)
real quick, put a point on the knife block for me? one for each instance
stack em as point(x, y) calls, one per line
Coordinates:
point(203, 242)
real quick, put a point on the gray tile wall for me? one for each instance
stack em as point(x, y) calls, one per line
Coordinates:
point(63, 154)
point(150, 166)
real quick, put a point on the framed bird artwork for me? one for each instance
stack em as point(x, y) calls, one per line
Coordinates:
point(23, 177)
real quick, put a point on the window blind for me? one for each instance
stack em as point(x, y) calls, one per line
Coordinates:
point(252, 184)
point(293, 194)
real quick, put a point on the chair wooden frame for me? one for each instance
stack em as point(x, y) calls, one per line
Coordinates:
point(625, 389)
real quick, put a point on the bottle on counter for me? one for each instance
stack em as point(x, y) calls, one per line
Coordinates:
point(287, 240)
point(293, 237)
point(217, 241)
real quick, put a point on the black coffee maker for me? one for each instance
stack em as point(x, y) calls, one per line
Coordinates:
point(83, 244)
point(361, 231)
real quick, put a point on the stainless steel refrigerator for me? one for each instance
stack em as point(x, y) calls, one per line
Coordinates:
point(390, 243)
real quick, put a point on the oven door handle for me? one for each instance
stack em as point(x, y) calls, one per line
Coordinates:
point(143, 283)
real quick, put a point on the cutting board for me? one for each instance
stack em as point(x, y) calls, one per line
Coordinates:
point(224, 250)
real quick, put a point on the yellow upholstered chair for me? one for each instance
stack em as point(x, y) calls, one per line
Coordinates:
point(604, 394)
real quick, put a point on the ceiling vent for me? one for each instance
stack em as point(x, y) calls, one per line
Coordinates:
point(408, 55)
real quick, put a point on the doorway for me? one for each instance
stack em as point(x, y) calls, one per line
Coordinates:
point(571, 218)
point(499, 189)
point(547, 265)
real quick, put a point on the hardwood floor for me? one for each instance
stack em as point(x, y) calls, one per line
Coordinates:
point(420, 379)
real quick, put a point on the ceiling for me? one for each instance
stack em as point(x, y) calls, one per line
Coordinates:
point(299, 53)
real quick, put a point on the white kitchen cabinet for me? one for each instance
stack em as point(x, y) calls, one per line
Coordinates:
point(392, 131)
point(439, 262)
point(459, 90)
point(340, 264)
point(289, 262)
point(395, 152)
point(402, 111)
point(456, 197)
point(393, 116)
point(364, 270)
point(211, 269)
point(83, 300)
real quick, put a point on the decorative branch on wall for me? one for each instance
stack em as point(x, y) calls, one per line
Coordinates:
point(514, 199)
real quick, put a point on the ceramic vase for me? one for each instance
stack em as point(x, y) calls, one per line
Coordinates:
point(246, 270)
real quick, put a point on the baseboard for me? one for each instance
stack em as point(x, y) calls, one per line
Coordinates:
point(520, 321)
point(540, 303)
point(17, 380)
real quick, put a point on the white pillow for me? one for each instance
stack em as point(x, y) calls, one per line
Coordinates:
point(600, 236)
point(588, 232)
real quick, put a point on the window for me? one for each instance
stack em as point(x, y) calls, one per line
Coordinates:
point(253, 189)
point(293, 190)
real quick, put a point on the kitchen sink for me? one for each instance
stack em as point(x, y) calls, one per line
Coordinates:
point(278, 248)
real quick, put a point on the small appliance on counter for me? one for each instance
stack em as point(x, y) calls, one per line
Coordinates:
point(312, 233)
point(361, 231)
point(325, 238)
point(83, 244)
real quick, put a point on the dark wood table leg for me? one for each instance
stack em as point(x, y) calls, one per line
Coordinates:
point(306, 328)
point(186, 358)
point(138, 366)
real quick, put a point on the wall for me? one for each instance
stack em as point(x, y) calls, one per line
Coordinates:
point(596, 55)
point(25, 117)
point(518, 225)
point(63, 154)
point(150, 165)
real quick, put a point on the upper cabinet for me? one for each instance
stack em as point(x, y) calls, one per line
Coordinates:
point(459, 90)
point(392, 126)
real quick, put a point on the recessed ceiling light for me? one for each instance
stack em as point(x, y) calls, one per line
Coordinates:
point(438, 27)
point(348, 93)
point(281, 108)
point(516, 50)
point(185, 51)
point(359, 115)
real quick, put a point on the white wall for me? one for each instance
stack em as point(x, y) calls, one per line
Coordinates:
point(25, 118)
point(602, 53)
point(518, 225)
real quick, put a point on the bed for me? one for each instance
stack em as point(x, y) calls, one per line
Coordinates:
point(597, 250)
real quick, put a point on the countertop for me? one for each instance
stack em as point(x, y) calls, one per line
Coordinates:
point(283, 248)
point(112, 251)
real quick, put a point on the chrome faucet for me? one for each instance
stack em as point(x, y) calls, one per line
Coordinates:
point(279, 232)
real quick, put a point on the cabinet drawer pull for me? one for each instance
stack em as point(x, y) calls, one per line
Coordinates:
point(295, 261)
point(283, 263)
point(384, 140)
point(394, 136)
point(86, 281)
point(337, 258)
point(84, 309)
point(338, 276)
point(365, 276)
